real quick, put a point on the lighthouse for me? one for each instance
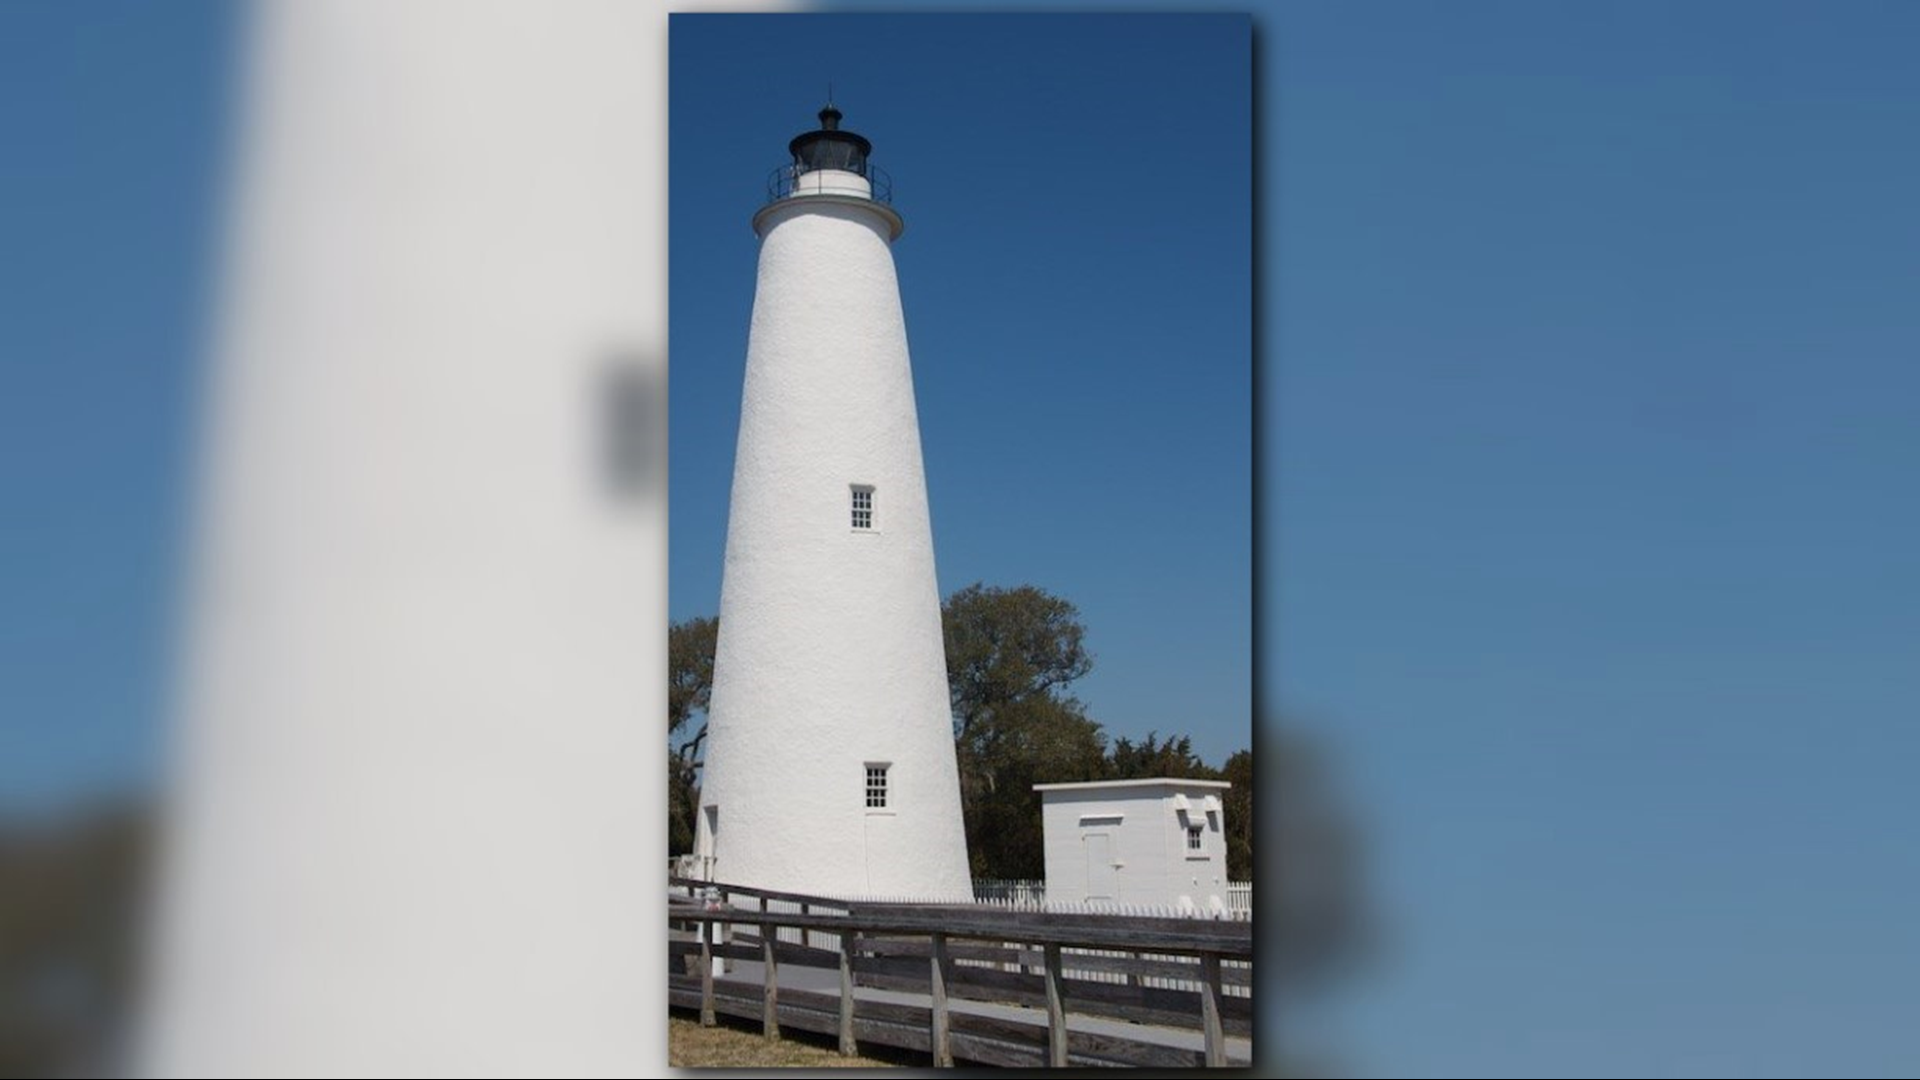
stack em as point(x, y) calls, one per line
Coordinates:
point(422, 614)
point(830, 761)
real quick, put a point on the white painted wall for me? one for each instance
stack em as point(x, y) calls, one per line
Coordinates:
point(832, 182)
point(413, 807)
point(830, 653)
point(1126, 842)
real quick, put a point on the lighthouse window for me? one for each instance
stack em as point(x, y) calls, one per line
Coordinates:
point(876, 787)
point(862, 507)
point(1195, 837)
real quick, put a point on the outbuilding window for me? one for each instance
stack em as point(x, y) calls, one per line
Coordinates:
point(1196, 836)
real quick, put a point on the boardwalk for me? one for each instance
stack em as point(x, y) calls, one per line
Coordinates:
point(965, 982)
point(749, 974)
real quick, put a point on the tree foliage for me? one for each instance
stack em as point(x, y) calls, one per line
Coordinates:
point(1006, 646)
point(1039, 739)
point(1238, 803)
point(1152, 758)
point(1011, 654)
point(683, 802)
point(690, 648)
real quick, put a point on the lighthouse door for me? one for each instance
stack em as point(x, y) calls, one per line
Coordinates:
point(1101, 877)
point(704, 834)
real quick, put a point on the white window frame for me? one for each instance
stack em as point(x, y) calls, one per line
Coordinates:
point(1196, 841)
point(861, 518)
point(882, 771)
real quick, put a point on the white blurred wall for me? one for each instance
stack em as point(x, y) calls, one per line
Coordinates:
point(415, 825)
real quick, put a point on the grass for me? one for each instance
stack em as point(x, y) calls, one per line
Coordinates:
point(733, 1045)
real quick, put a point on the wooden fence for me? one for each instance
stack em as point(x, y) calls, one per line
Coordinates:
point(1182, 975)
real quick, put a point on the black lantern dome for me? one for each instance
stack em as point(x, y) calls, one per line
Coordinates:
point(829, 147)
point(830, 166)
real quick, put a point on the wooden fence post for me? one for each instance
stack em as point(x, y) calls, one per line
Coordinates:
point(770, 1016)
point(1056, 1011)
point(847, 1045)
point(706, 973)
point(1210, 1010)
point(937, 975)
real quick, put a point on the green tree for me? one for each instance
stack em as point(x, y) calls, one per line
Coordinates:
point(1036, 740)
point(690, 648)
point(1011, 654)
point(1153, 758)
point(1238, 803)
point(1006, 646)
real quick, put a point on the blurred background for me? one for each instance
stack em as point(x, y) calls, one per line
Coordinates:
point(1586, 367)
point(113, 119)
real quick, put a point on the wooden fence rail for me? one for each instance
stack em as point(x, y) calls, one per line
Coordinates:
point(1190, 975)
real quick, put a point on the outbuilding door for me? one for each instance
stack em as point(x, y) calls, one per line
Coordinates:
point(1102, 876)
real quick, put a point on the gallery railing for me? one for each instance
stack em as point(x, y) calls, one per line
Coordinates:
point(863, 181)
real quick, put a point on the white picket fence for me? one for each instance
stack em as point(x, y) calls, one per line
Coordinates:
point(999, 890)
point(1077, 962)
point(1032, 893)
point(1026, 894)
point(690, 866)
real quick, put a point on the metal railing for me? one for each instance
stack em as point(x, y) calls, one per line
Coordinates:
point(785, 182)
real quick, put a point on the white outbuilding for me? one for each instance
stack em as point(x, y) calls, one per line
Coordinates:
point(1155, 841)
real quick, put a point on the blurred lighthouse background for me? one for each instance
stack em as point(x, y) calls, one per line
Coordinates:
point(425, 622)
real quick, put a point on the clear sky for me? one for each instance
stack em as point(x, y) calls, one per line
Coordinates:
point(1077, 278)
point(1588, 339)
point(111, 139)
point(1592, 432)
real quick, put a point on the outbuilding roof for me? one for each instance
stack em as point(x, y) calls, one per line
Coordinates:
point(1152, 781)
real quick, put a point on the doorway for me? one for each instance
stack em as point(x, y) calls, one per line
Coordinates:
point(1102, 875)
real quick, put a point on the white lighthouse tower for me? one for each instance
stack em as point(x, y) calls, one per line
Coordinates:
point(404, 835)
point(830, 761)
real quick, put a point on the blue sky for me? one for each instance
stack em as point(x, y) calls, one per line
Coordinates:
point(111, 142)
point(1588, 346)
point(1593, 343)
point(1077, 278)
